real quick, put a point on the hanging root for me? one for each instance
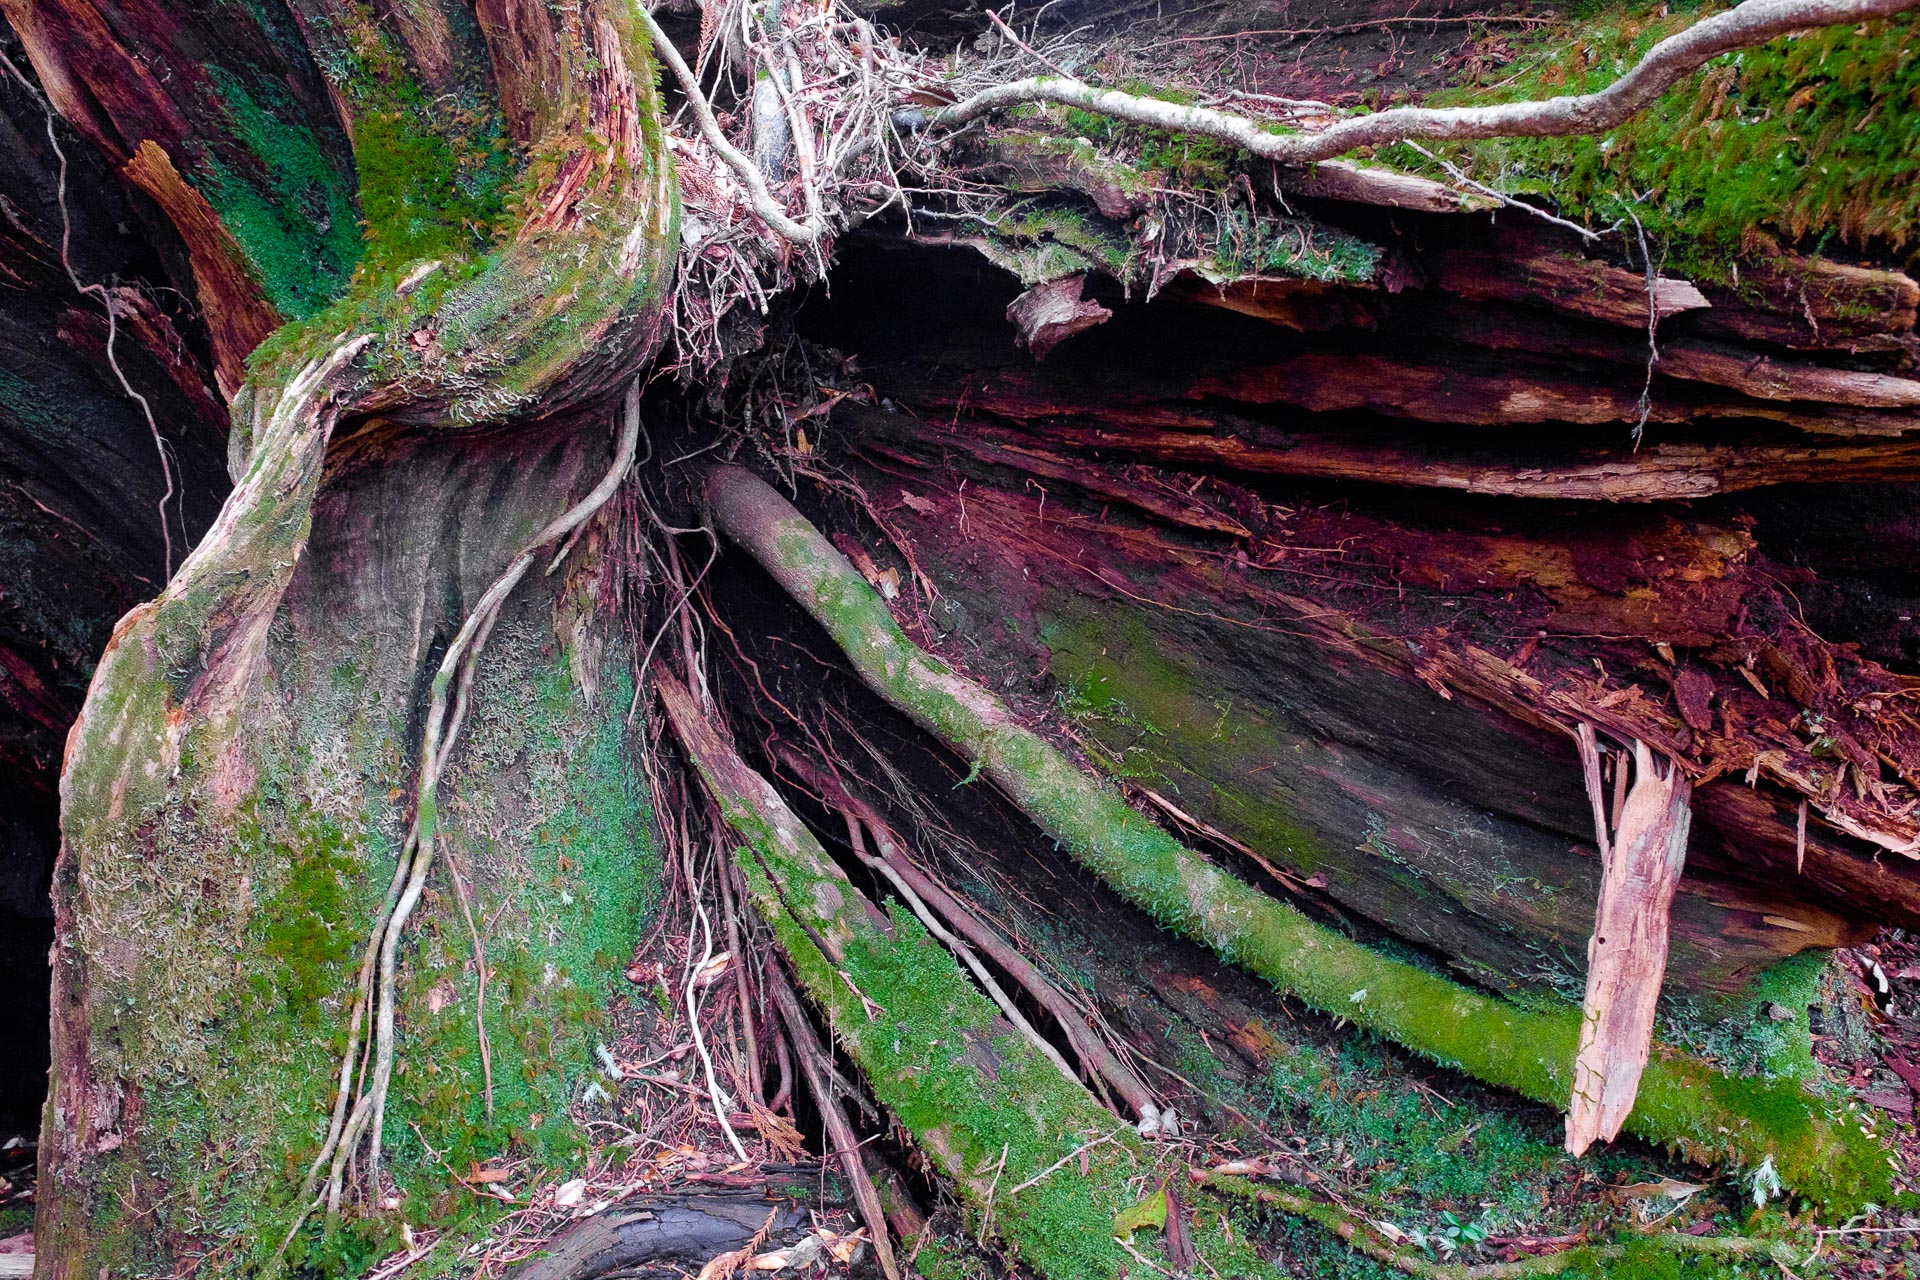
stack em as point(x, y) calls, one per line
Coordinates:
point(1682, 1101)
point(1358, 1233)
point(366, 1069)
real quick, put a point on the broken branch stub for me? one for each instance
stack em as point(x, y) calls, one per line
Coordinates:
point(1683, 1101)
point(1627, 954)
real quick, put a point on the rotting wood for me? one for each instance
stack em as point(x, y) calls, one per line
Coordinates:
point(660, 1230)
point(1684, 1101)
point(1627, 955)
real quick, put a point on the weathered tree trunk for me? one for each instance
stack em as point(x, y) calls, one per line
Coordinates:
point(1300, 554)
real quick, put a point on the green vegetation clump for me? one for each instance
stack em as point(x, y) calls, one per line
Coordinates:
point(1813, 138)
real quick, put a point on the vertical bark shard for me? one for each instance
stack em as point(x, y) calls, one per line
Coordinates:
point(1627, 955)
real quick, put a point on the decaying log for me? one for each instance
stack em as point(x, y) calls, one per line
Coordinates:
point(1627, 955)
point(1682, 1100)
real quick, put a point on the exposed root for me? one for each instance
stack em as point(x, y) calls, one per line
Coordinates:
point(945, 915)
point(840, 1138)
point(1751, 23)
point(160, 445)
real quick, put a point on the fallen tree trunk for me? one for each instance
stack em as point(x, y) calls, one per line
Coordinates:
point(1319, 510)
point(1681, 1102)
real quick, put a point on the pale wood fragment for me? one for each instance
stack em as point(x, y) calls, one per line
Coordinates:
point(1627, 955)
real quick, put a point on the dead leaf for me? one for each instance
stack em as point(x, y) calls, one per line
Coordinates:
point(1672, 1188)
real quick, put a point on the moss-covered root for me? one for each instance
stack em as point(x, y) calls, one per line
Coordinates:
point(1606, 1259)
point(995, 1116)
point(1683, 1102)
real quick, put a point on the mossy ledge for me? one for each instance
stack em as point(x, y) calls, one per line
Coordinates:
point(1828, 1155)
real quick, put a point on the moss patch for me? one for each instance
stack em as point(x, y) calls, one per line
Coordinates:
point(1812, 137)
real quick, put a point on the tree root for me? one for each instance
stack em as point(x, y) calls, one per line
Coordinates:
point(376, 989)
point(988, 1110)
point(840, 1139)
point(1683, 1101)
point(928, 897)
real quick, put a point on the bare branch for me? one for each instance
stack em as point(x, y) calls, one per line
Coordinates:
point(1752, 23)
point(764, 204)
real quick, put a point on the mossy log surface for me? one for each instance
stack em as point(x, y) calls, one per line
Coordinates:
point(1683, 1102)
point(241, 771)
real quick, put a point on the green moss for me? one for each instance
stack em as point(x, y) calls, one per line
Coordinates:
point(1810, 137)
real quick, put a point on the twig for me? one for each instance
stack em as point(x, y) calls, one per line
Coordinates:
point(1026, 48)
point(1058, 1164)
point(1507, 202)
point(744, 169)
point(1644, 409)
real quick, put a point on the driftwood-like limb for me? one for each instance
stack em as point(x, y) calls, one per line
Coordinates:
point(1683, 1101)
point(662, 1229)
point(840, 1136)
point(1627, 955)
point(1745, 26)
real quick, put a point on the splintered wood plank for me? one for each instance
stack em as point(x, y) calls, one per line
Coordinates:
point(1627, 955)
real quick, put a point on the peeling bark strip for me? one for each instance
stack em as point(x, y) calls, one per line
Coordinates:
point(1683, 1101)
point(1048, 314)
point(1627, 956)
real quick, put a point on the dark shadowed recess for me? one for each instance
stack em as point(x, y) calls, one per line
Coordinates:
point(81, 487)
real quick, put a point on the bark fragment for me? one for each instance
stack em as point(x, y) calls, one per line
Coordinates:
point(1627, 955)
point(1050, 313)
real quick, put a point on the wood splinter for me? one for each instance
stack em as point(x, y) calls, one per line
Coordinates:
point(1641, 860)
